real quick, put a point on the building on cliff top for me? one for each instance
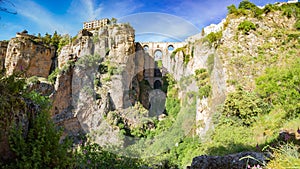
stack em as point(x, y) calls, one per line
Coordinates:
point(293, 1)
point(95, 24)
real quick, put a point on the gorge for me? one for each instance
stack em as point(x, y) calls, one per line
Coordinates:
point(165, 102)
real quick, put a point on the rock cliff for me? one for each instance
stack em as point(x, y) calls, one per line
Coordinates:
point(3, 49)
point(26, 55)
point(104, 82)
point(100, 70)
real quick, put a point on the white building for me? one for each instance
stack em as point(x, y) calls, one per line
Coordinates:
point(293, 1)
point(95, 24)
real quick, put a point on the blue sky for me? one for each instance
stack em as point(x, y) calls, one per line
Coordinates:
point(155, 20)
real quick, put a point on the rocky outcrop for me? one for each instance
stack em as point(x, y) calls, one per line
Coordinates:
point(28, 56)
point(62, 95)
point(233, 161)
point(42, 87)
point(89, 92)
point(3, 49)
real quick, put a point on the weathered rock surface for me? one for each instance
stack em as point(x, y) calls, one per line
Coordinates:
point(233, 161)
point(62, 95)
point(85, 102)
point(3, 49)
point(26, 55)
point(42, 87)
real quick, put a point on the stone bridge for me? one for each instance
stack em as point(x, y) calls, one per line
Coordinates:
point(154, 68)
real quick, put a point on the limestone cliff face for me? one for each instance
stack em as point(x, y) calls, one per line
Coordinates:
point(238, 57)
point(62, 94)
point(89, 93)
point(3, 49)
point(26, 55)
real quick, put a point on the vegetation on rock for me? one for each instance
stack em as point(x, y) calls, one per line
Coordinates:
point(246, 26)
point(263, 98)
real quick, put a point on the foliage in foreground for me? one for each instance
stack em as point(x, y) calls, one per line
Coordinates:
point(91, 155)
point(285, 156)
point(36, 144)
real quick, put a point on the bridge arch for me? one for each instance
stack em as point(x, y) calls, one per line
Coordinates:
point(146, 48)
point(157, 84)
point(170, 48)
point(158, 54)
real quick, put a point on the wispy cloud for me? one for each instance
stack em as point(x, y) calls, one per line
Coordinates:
point(88, 10)
point(69, 18)
point(154, 26)
point(41, 17)
point(85, 10)
point(203, 13)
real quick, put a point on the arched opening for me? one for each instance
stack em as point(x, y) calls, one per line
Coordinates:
point(170, 48)
point(157, 55)
point(146, 48)
point(157, 84)
point(157, 73)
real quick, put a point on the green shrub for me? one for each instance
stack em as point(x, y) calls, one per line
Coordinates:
point(246, 26)
point(182, 49)
point(64, 40)
point(11, 89)
point(285, 156)
point(159, 64)
point(246, 4)
point(91, 155)
point(205, 91)
point(246, 7)
point(39, 145)
point(202, 77)
point(213, 37)
point(269, 8)
point(280, 86)
point(210, 62)
point(231, 9)
point(199, 72)
point(244, 106)
point(297, 24)
point(186, 59)
point(96, 38)
point(52, 77)
point(193, 50)
point(172, 106)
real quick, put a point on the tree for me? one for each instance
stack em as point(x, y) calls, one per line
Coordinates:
point(47, 38)
point(26, 125)
point(245, 4)
point(231, 9)
point(55, 39)
point(113, 20)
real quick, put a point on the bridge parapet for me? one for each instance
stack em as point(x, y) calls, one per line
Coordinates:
point(157, 50)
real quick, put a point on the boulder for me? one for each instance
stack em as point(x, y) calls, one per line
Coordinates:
point(232, 161)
